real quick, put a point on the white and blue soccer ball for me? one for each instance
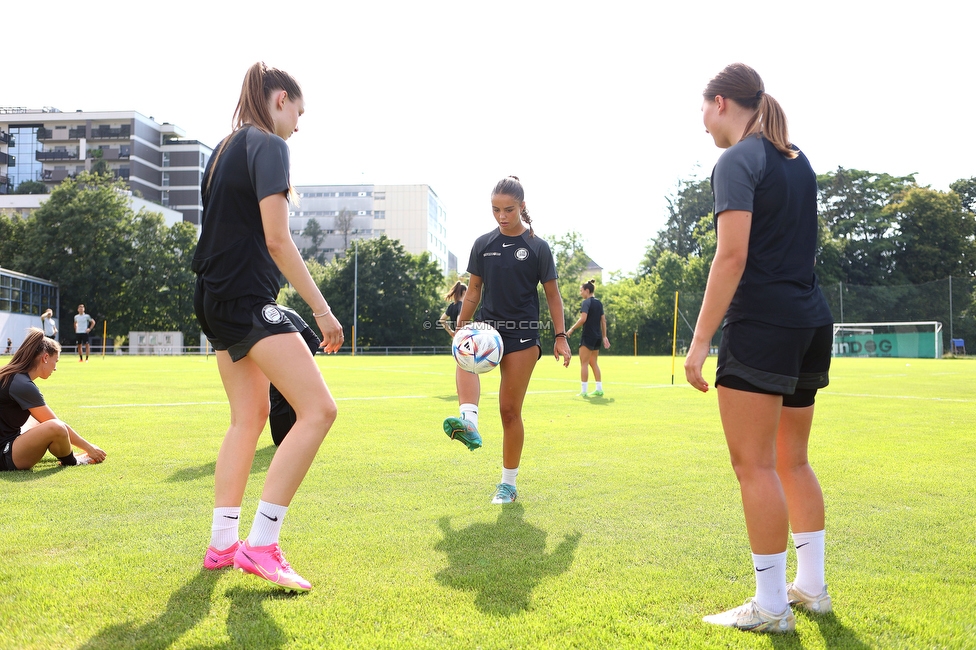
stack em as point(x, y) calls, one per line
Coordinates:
point(477, 348)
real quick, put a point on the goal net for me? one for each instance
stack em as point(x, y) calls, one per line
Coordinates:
point(917, 339)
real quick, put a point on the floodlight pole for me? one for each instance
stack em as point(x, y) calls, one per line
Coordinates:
point(355, 294)
point(841, 287)
point(950, 311)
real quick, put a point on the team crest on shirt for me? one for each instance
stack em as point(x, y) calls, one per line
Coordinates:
point(272, 314)
point(521, 254)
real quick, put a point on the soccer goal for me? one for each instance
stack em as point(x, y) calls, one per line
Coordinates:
point(917, 340)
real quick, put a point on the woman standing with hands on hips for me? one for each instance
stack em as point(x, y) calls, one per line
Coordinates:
point(776, 342)
point(506, 267)
point(594, 324)
point(244, 243)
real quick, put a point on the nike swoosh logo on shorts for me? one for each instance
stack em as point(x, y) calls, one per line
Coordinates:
point(524, 340)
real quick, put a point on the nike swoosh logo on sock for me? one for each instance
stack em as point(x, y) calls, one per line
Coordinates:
point(238, 517)
point(802, 545)
point(271, 518)
point(761, 570)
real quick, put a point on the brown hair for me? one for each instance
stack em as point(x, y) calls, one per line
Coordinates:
point(589, 286)
point(28, 354)
point(260, 83)
point(743, 85)
point(456, 291)
point(512, 186)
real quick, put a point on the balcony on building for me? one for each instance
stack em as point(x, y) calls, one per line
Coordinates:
point(107, 132)
point(5, 185)
point(7, 159)
point(56, 155)
point(6, 138)
point(55, 175)
point(122, 153)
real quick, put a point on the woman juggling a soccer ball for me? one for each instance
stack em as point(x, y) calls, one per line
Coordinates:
point(506, 266)
point(776, 342)
point(20, 400)
point(244, 243)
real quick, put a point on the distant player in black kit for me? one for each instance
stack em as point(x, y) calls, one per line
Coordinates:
point(506, 267)
point(594, 324)
point(245, 246)
point(448, 319)
point(776, 342)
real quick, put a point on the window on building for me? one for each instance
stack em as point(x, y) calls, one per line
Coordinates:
point(164, 198)
point(379, 195)
point(379, 214)
point(165, 159)
point(165, 179)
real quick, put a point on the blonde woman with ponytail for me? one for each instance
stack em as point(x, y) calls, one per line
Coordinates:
point(245, 244)
point(20, 401)
point(776, 342)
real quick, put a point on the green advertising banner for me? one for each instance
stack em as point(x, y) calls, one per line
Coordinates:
point(916, 345)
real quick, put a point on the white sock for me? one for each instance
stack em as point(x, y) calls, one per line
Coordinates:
point(508, 475)
point(267, 524)
point(771, 581)
point(599, 385)
point(809, 562)
point(469, 412)
point(583, 386)
point(225, 529)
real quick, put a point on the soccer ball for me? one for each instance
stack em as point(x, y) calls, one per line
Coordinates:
point(477, 347)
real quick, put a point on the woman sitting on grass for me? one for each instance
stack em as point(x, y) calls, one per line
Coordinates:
point(20, 399)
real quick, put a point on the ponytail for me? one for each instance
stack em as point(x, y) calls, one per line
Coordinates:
point(743, 85)
point(456, 291)
point(28, 354)
point(260, 83)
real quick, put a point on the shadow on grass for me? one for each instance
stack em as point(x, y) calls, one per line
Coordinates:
point(600, 401)
point(834, 633)
point(186, 607)
point(503, 562)
point(248, 624)
point(23, 476)
point(262, 460)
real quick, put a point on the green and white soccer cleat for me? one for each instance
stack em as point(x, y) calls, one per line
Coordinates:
point(597, 393)
point(463, 430)
point(504, 493)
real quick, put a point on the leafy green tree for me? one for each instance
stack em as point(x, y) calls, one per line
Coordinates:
point(313, 232)
point(571, 262)
point(31, 187)
point(80, 237)
point(688, 207)
point(398, 301)
point(936, 237)
point(966, 189)
point(12, 232)
point(861, 239)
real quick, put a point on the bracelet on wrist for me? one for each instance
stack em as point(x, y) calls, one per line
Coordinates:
point(562, 334)
point(328, 310)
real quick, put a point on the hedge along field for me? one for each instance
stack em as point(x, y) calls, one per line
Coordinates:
point(628, 528)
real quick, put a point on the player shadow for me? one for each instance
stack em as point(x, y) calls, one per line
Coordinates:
point(599, 401)
point(248, 624)
point(37, 472)
point(834, 633)
point(502, 562)
point(188, 605)
point(262, 460)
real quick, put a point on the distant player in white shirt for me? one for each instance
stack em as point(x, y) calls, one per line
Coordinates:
point(83, 325)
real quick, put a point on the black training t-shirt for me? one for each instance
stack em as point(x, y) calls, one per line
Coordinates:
point(511, 268)
point(592, 329)
point(453, 311)
point(232, 257)
point(778, 285)
point(19, 395)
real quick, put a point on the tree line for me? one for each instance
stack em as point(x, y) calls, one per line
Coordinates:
point(887, 250)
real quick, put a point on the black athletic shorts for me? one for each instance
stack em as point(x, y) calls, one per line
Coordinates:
point(592, 344)
point(7, 455)
point(760, 358)
point(236, 325)
point(516, 343)
point(81, 339)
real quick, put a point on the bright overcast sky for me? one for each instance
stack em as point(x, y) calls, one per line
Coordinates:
point(595, 106)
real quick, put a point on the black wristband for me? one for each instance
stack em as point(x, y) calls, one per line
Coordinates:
point(562, 334)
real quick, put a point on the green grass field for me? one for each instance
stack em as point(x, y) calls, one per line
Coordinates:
point(627, 531)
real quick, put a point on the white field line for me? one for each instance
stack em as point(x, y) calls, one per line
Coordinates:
point(927, 399)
